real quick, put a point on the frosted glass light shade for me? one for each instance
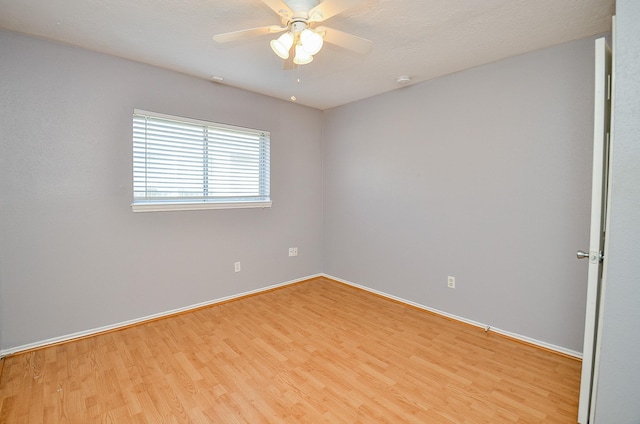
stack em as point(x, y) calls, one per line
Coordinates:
point(302, 57)
point(282, 45)
point(311, 41)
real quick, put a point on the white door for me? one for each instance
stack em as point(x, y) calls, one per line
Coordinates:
point(598, 213)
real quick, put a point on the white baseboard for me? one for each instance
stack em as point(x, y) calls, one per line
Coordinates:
point(94, 331)
point(516, 336)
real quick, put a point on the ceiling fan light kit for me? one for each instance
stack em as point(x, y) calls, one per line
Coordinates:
point(307, 43)
point(311, 41)
point(302, 57)
point(282, 45)
point(299, 18)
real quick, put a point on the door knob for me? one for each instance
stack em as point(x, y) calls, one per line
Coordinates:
point(582, 255)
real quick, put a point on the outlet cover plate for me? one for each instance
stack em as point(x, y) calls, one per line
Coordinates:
point(451, 282)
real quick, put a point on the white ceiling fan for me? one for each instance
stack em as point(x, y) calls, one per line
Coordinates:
point(303, 38)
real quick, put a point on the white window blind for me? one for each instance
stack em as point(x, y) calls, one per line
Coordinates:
point(182, 163)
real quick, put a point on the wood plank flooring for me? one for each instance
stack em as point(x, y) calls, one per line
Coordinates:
point(314, 352)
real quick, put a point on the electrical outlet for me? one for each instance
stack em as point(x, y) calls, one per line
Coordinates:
point(451, 282)
point(237, 267)
point(293, 251)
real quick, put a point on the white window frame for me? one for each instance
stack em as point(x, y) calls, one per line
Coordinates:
point(143, 146)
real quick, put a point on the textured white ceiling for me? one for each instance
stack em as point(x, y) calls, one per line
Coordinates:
point(421, 38)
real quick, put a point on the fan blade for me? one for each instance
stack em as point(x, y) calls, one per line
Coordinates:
point(346, 40)
point(280, 7)
point(247, 33)
point(329, 8)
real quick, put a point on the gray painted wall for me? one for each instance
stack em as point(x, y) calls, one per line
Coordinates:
point(617, 389)
point(483, 175)
point(72, 254)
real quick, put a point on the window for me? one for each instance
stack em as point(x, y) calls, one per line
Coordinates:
point(182, 163)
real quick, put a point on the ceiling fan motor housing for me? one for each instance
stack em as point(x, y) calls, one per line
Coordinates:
point(301, 5)
point(297, 26)
point(300, 9)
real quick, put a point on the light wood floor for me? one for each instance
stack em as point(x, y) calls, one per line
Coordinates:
point(315, 352)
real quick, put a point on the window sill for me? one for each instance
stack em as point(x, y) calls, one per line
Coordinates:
point(170, 206)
